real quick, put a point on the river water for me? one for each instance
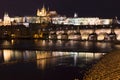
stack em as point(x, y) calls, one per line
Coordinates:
point(48, 59)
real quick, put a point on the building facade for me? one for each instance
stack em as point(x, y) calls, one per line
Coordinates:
point(44, 15)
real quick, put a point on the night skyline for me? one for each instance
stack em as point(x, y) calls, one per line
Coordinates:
point(102, 8)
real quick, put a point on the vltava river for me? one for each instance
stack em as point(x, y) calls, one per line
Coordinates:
point(49, 60)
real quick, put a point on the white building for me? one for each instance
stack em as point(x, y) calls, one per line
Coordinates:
point(6, 20)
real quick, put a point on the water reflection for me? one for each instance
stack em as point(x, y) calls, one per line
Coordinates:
point(57, 45)
point(48, 58)
point(68, 58)
point(7, 55)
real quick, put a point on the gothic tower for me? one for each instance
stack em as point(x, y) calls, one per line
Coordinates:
point(42, 12)
point(6, 19)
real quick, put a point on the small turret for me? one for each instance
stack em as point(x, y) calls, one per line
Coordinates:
point(75, 15)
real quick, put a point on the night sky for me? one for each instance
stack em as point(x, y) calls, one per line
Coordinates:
point(88, 8)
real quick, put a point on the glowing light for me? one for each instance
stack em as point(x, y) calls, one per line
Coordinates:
point(43, 42)
point(12, 41)
point(6, 43)
point(41, 64)
point(7, 55)
point(85, 36)
point(36, 36)
point(59, 36)
point(101, 37)
point(6, 19)
point(13, 35)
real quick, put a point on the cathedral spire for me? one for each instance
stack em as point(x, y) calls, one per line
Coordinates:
point(75, 15)
point(48, 9)
point(43, 6)
point(42, 12)
point(38, 11)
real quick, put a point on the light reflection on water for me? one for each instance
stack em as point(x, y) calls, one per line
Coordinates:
point(44, 58)
point(49, 55)
point(49, 49)
point(57, 45)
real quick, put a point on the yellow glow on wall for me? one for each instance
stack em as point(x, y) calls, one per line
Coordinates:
point(85, 36)
point(100, 37)
point(36, 36)
point(59, 36)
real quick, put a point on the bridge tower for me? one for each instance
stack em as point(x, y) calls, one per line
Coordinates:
point(112, 35)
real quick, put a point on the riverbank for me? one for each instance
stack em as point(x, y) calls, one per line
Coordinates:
point(108, 68)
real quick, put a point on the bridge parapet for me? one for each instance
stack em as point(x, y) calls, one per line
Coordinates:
point(102, 32)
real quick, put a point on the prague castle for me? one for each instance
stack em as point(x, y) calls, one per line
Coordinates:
point(45, 16)
point(70, 28)
point(42, 16)
point(44, 12)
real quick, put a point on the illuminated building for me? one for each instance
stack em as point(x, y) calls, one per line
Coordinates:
point(42, 12)
point(6, 19)
point(81, 21)
point(1, 23)
point(44, 15)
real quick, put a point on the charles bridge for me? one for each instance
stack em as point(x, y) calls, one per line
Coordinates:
point(62, 32)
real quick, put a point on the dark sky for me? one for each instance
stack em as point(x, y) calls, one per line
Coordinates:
point(102, 8)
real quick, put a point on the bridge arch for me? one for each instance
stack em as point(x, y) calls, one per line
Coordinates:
point(92, 36)
point(64, 35)
point(103, 36)
point(74, 36)
point(113, 36)
point(84, 36)
point(59, 36)
point(53, 35)
point(117, 31)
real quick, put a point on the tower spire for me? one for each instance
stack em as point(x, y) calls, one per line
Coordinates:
point(43, 6)
point(38, 12)
point(48, 8)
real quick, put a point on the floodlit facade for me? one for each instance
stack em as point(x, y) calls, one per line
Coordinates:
point(82, 21)
point(7, 20)
point(46, 16)
point(42, 12)
point(42, 16)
